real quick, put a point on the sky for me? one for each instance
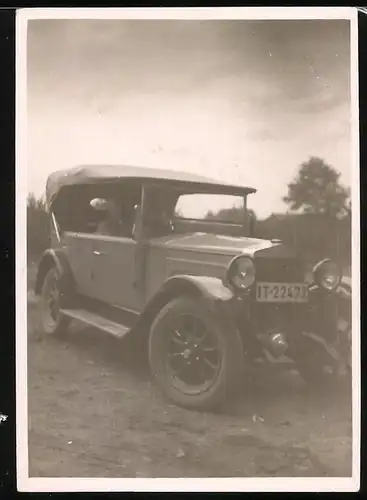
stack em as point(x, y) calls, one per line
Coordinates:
point(244, 101)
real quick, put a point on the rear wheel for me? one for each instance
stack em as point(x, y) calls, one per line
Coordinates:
point(51, 321)
point(196, 361)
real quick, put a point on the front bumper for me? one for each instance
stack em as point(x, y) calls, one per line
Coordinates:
point(326, 315)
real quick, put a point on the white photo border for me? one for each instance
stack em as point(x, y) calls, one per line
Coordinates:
point(31, 484)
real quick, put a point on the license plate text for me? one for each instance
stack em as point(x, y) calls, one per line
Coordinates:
point(281, 292)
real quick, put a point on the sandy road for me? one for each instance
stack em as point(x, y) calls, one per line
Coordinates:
point(93, 412)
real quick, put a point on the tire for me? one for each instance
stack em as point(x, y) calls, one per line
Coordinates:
point(315, 375)
point(217, 352)
point(318, 370)
point(51, 321)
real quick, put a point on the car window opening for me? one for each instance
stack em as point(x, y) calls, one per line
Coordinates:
point(166, 210)
point(74, 213)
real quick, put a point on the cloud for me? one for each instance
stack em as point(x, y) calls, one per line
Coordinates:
point(241, 99)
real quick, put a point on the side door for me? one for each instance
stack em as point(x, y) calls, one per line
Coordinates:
point(79, 249)
point(115, 275)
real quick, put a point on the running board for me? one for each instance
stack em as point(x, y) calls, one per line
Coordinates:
point(116, 329)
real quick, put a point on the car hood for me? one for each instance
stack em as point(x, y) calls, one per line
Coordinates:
point(222, 244)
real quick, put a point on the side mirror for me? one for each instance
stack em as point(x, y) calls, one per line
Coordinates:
point(99, 204)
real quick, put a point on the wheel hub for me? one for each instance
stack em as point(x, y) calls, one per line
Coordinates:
point(193, 355)
point(186, 353)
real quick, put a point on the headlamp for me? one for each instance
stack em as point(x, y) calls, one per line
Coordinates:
point(327, 274)
point(241, 273)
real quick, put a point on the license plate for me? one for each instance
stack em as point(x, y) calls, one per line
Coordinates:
point(282, 292)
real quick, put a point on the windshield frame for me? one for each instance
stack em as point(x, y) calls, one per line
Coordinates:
point(152, 192)
point(208, 218)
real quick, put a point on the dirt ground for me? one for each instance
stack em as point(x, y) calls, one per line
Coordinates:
point(93, 412)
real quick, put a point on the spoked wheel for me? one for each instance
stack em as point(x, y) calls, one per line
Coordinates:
point(52, 322)
point(315, 368)
point(195, 360)
point(345, 343)
point(193, 355)
point(319, 368)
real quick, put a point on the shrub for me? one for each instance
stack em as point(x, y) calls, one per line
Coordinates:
point(37, 227)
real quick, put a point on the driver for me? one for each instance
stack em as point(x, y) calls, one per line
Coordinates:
point(112, 225)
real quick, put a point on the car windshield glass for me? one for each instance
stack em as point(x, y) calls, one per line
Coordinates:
point(215, 207)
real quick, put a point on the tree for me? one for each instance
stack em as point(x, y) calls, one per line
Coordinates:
point(317, 190)
point(234, 215)
point(37, 226)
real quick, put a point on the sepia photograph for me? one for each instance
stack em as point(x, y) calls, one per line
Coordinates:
point(187, 191)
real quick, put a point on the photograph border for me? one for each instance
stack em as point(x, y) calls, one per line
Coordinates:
point(62, 484)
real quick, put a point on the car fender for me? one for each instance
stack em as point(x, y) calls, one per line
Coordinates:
point(216, 296)
point(327, 309)
point(54, 258)
point(343, 291)
point(209, 288)
point(345, 287)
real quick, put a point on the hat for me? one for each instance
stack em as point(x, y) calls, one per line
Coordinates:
point(99, 204)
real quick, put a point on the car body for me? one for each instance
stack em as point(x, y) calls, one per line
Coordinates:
point(252, 293)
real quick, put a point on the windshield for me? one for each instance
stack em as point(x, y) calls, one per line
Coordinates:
point(211, 207)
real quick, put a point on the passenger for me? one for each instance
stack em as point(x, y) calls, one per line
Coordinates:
point(113, 225)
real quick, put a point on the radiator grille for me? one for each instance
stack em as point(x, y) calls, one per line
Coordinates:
point(279, 270)
point(283, 317)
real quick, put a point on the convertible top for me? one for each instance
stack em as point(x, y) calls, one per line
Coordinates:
point(93, 174)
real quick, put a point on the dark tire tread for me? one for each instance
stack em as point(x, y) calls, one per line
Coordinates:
point(228, 382)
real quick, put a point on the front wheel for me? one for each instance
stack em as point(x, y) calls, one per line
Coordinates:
point(195, 359)
point(51, 321)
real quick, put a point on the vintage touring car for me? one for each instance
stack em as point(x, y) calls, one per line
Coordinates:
point(205, 296)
